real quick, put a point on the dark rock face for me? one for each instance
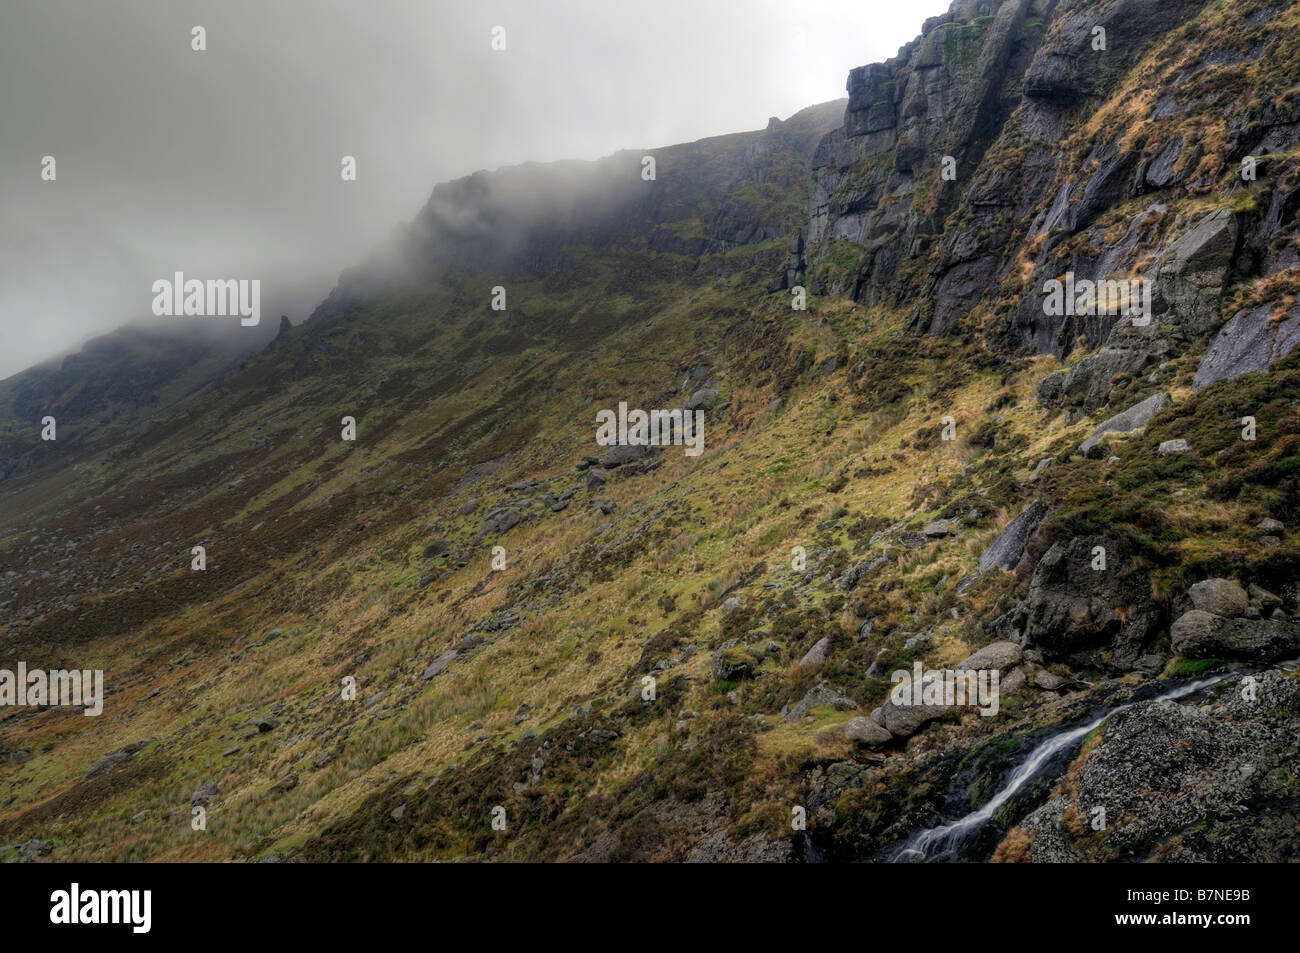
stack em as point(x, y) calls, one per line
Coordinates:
point(1094, 616)
point(1007, 549)
point(1250, 341)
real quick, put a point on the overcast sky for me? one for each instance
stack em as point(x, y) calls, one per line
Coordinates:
point(225, 163)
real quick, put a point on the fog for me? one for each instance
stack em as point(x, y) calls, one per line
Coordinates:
point(225, 163)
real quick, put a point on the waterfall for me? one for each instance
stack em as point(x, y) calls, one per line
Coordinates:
point(949, 838)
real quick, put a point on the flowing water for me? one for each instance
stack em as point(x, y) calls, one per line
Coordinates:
point(951, 838)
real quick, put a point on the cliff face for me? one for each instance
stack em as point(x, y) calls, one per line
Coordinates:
point(1072, 151)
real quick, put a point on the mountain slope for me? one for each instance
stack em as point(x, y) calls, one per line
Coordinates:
point(829, 535)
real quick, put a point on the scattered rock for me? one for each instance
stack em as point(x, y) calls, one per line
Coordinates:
point(439, 664)
point(206, 792)
point(284, 785)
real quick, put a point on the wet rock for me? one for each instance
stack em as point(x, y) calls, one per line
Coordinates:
point(1192, 782)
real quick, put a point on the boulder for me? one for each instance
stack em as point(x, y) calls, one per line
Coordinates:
point(996, 655)
point(284, 785)
point(436, 548)
point(1134, 418)
point(439, 664)
point(623, 454)
point(906, 720)
point(939, 529)
point(1223, 597)
point(1172, 446)
point(820, 695)
point(107, 762)
point(706, 398)
point(865, 732)
point(817, 654)
point(1198, 634)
